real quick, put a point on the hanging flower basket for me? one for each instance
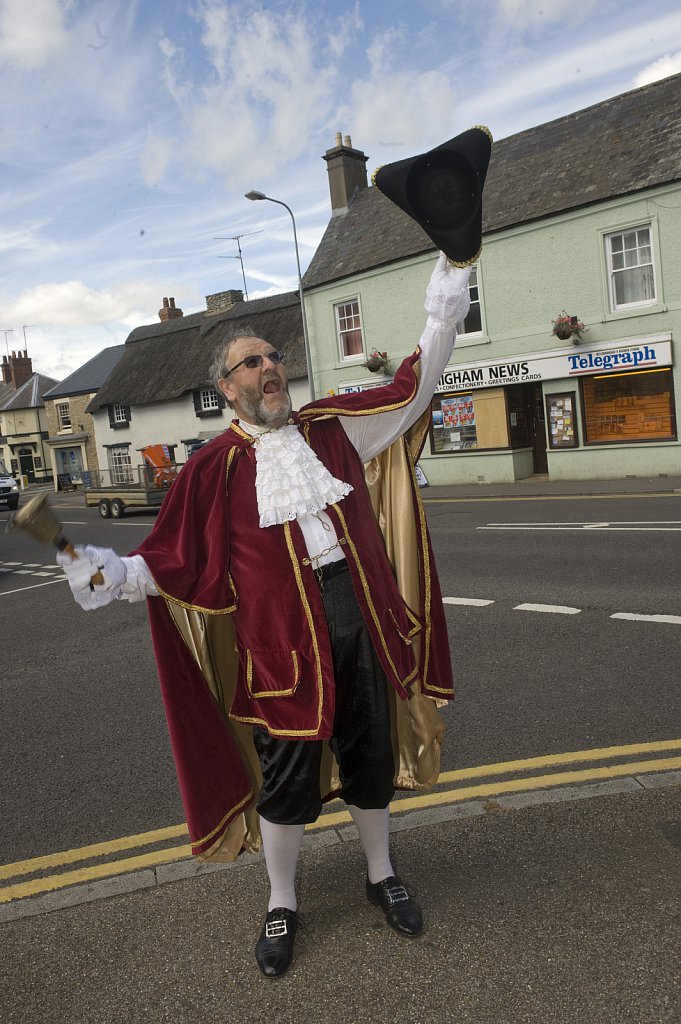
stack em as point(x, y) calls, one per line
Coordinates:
point(567, 326)
point(377, 362)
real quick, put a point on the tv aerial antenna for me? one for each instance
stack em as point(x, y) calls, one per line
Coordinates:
point(10, 330)
point(237, 239)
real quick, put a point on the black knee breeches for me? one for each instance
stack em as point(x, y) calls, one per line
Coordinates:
point(361, 741)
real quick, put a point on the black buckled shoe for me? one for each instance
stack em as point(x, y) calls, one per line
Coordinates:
point(401, 910)
point(274, 948)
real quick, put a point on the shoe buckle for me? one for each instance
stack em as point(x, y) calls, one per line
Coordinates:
point(397, 894)
point(275, 929)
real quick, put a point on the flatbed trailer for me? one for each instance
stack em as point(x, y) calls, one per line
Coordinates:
point(144, 486)
point(113, 501)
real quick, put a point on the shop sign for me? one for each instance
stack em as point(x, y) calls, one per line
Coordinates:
point(557, 365)
point(363, 385)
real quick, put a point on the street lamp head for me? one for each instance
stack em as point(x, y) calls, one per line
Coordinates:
point(255, 195)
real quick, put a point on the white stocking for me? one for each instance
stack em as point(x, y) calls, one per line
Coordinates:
point(281, 844)
point(373, 828)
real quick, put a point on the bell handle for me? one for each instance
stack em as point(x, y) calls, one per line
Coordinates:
point(65, 545)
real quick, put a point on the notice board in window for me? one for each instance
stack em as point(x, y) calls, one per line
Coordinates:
point(561, 420)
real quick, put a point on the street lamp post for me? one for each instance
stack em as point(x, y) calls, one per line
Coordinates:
point(253, 194)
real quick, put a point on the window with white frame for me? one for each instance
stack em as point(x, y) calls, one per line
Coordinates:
point(63, 415)
point(473, 322)
point(209, 399)
point(349, 329)
point(631, 271)
point(120, 413)
point(120, 464)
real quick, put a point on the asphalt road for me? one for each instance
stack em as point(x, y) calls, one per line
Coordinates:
point(85, 756)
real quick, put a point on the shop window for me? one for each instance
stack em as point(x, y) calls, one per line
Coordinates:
point(467, 420)
point(63, 415)
point(349, 329)
point(627, 407)
point(473, 322)
point(631, 272)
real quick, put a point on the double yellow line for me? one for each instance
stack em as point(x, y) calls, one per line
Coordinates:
point(449, 790)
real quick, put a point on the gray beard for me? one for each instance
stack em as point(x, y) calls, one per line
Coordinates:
point(261, 416)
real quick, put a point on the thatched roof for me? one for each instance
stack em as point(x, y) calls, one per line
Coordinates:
point(620, 146)
point(164, 361)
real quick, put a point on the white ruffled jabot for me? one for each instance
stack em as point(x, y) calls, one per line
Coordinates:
point(290, 480)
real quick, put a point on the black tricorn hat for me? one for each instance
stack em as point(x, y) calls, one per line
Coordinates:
point(442, 191)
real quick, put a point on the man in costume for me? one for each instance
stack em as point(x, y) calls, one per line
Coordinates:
point(296, 615)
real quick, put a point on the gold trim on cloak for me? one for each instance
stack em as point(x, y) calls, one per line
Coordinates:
point(416, 726)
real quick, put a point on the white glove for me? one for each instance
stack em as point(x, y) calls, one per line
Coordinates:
point(447, 299)
point(79, 572)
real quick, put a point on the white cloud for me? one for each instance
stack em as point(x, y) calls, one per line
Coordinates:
point(31, 33)
point(268, 92)
point(520, 93)
point(346, 34)
point(156, 158)
point(405, 109)
point(26, 237)
point(74, 304)
point(668, 65)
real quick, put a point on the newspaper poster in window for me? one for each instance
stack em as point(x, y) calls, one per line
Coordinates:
point(561, 419)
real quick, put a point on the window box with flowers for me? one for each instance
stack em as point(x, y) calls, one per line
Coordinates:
point(566, 326)
point(378, 362)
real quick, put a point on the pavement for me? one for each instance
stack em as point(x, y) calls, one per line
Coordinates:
point(540, 486)
point(537, 486)
point(552, 906)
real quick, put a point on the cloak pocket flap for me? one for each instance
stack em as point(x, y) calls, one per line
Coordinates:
point(272, 673)
point(407, 625)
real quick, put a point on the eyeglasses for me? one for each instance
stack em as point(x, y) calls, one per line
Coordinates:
point(251, 362)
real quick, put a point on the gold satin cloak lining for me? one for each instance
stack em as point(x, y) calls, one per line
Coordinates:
point(416, 726)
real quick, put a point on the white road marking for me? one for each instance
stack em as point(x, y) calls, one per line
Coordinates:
point(476, 602)
point(622, 526)
point(647, 618)
point(22, 590)
point(556, 609)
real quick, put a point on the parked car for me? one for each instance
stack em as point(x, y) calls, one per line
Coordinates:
point(9, 488)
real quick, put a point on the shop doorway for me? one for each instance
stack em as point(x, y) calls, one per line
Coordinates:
point(537, 423)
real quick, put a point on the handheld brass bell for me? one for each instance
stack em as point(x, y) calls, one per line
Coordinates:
point(38, 519)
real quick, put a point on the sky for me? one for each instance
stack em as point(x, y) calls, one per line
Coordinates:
point(131, 129)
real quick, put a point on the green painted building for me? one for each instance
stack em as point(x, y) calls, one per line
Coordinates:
point(582, 217)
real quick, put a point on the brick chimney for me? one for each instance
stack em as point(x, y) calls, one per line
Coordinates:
point(347, 172)
point(17, 369)
point(220, 302)
point(169, 312)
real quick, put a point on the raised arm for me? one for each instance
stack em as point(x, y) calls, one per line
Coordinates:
point(447, 302)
